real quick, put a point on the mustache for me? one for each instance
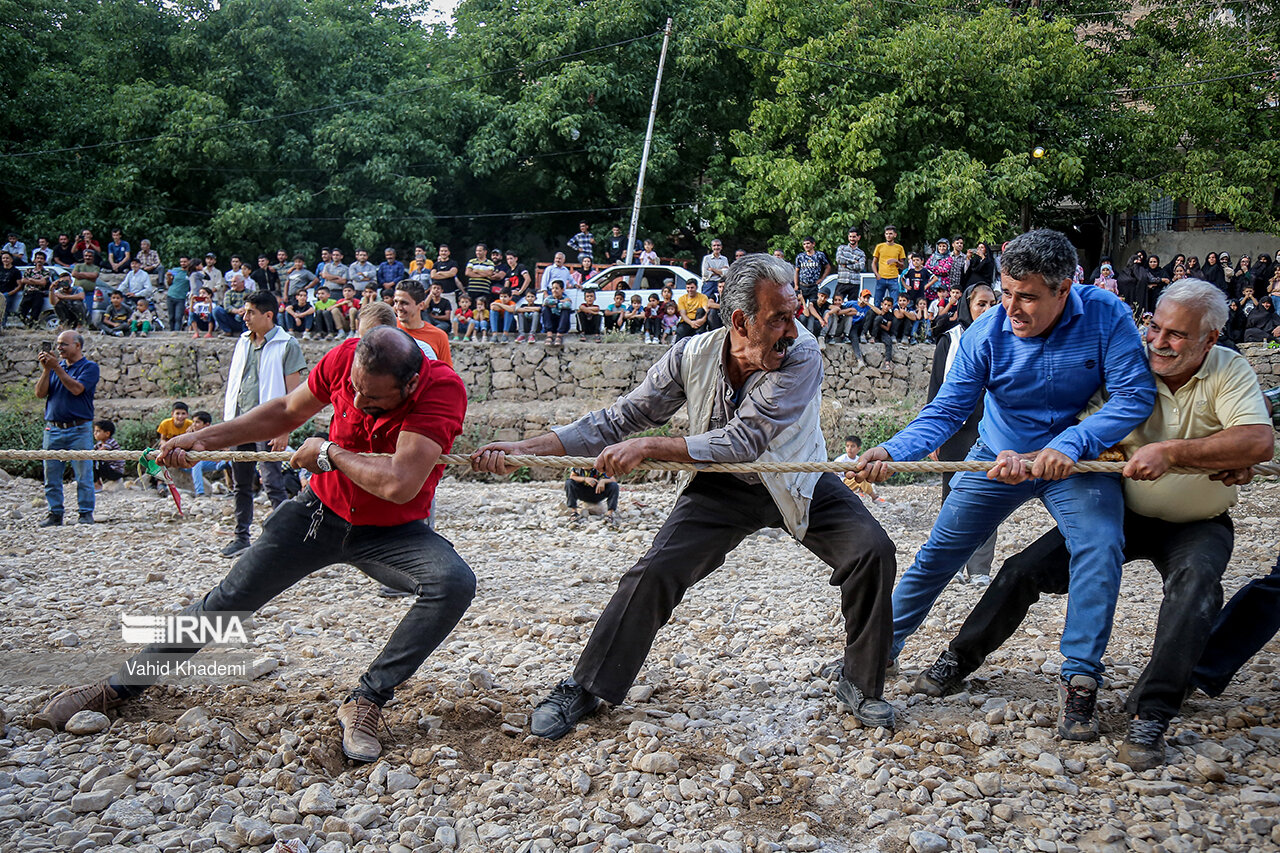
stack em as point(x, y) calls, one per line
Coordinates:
point(784, 344)
point(1165, 353)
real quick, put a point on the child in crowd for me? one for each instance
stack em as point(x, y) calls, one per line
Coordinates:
point(346, 313)
point(920, 329)
point(648, 256)
point(480, 321)
point(615, 311)
point(369, 296)
point(852, 449)
point(589, 317)
point(634, 315)
point(115, 321)
point(670, 319)
point(176, 424)
point(502, 316)
point(653, 320)
point(201, 313)
point(836, 320)
point(300, 316)
point(323, 307)
point(104, 438)
point(199, 421)
point(463, 318)
point(1107, 279)
point(815, 312)
point(141, 320)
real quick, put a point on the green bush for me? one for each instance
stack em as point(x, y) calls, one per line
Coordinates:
point(21, 430)
point(879, 428)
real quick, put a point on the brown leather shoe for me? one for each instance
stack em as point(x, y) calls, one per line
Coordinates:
point(68, 703)
point(359, 719)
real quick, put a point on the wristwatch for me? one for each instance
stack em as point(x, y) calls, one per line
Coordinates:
point(322, 458)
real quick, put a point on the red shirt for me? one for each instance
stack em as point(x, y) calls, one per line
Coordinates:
point(435, 410)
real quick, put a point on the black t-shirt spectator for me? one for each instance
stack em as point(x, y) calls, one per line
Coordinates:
point(450, 284)
point(9, 279)
point(914, 281)
point(267, 279)
point(616, 247)
point(439, 310)
point(63, 255)
point(514, 278)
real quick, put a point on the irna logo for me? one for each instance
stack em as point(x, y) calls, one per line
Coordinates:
point(197, 629)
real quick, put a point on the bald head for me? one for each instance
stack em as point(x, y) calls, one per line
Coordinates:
point(388, 351)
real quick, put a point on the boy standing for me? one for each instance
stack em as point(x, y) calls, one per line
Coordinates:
point(890, 259)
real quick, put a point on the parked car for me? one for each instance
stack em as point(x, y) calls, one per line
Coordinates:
point(48, 320)
point(635, 278)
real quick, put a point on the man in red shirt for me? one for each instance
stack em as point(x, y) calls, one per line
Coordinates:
point(364, 510)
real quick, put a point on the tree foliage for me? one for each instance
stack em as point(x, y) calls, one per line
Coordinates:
point(263, 123)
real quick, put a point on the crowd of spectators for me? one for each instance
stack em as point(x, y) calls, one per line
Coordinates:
point(494, 297)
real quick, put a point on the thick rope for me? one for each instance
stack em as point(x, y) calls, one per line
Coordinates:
point(926, 466)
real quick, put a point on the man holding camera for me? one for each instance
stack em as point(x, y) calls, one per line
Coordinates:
point(67, 299)
point(67, 387)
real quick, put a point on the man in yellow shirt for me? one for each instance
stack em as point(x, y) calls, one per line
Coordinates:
point(176, 424)
point(889, 259)
point(693, 311)
point(1209, 414)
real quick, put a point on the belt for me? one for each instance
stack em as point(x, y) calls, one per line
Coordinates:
point(67, 424)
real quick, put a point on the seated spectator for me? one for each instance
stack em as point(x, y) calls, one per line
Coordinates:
point(814, 317)
point(852, 449)
point(557, 314)
point(324, 304)
point(85, 242)
point(36, 283)
point(479, 326)
point(648, 257)
point(670, 322)
point(115, 319)
point(229, 316)
point(502, 316)
point(43, 247)
point(589, 317)
point(62, 253)
point(439, 309)
point(10, 285)
point(119, 254)
point(1261, 324)
point(199, 421)
point(201, 312)
point(149, 260)
point(137, 284)
point(837, 319)
point(634, 316)
point(141, 320)
point(67, 299)
point(104, 438)
point(300, 316)
point(693, 311)
point(346, 313)
point(582, 273)
point(368, 297)
point(653, 312)
point(615, 311)
point(593, 487)
point(462, 320)
point(882, 325)
point(18, 249)
point(176, 424)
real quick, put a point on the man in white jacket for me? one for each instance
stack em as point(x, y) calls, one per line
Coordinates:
point(267, 364)
point(754, 390)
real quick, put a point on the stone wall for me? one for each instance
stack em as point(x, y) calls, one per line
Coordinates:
point(1265, 361)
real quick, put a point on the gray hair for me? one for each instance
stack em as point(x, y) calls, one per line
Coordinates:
point(1045, 253)
point(1203, 299)
point(743, 276)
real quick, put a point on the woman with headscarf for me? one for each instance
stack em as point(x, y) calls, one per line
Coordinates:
point(982, 266)
point(1193, 267)
point(1212, 273)
point(1261, 324)
point(1132, 281)
point(1179, 260)
point(1242, 274)
point(1262, 272)
point(939, 263)
point(1157, 281)
point(976, 300)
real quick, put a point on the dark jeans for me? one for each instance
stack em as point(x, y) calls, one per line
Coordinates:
point(588, 324)
point(71, 314)
point(574, 492)
point(176, 312)
point(708, 521)
point(32, 305)
point(228, 322)
point(558, 323)
point(242, 478)
point(1191, 558)
point(408, 557)
point(1248, 622)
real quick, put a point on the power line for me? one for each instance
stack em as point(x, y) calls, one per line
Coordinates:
point(352, 167)
point(821, 62)
point(1186, 83)
point(339, 105)
point(519, 214)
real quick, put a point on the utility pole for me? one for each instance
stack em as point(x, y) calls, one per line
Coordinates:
point(648, 141)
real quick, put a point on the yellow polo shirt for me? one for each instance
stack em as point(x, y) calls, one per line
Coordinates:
point(1223, 393)
point(884, 254)
point(168, 429)
point(690, 305)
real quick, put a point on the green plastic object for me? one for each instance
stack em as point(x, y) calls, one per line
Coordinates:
point(146, 463)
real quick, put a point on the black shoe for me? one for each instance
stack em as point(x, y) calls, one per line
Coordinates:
point(235, 547)
point(870, 710)
point(86, 518)
point(1077, 708)
point(52, 520)
point(556, 716)
point(943, 678)
point(1143, 747)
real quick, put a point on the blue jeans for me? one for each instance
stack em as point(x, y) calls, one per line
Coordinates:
point(885, 287)
point(302, 537)
point(11, 303)
point(502, 322)
point(227, 322)
point(1089, 509)
point(75, 438)
point(200, 468)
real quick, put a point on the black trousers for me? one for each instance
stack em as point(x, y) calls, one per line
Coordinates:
point(242, 484)
point(1248, 622)
point(709, 519)
point(574, 492)
point(1191, 558)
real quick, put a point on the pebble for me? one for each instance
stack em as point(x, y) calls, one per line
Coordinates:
point(317, 800)
point(927, 842)
point(87, 723)
point(656, 762)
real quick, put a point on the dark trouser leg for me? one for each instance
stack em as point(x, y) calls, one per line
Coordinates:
point(242, 485)
point(1041, 567)
point(1191, 558)
point(611, 492)
point(684, 330)
point(414, 558)
point(571, 494)
point(843, 534)
point(272, 478)
point(278, 560)
point(1248, 622)
point(709, 519)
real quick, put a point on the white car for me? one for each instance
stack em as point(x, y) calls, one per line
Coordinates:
point(634, 278)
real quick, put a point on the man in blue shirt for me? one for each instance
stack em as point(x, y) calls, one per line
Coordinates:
point(1039, 358)
point(67, 386)
point(391, 272)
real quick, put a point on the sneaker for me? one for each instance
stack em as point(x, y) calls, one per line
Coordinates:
point(556, 716)
point(53, 519)
point(943, 678)
point(86, 518)
point(1143, 747)
point(980, 580)
point(1077, 708)
point(870, 710)
point(68, 703)
point(235, 547)
point(391, 592)
point(306, 336)
point(359, 720)
point(519, 339)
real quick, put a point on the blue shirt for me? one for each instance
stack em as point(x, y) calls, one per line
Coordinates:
point(1037, 387)
point(117, 252)
point(61, 404)
point(391, 272)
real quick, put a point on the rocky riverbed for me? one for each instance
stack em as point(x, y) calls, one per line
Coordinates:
point(731, 740)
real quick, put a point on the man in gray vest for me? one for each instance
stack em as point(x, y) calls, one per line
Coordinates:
point(753, 389)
